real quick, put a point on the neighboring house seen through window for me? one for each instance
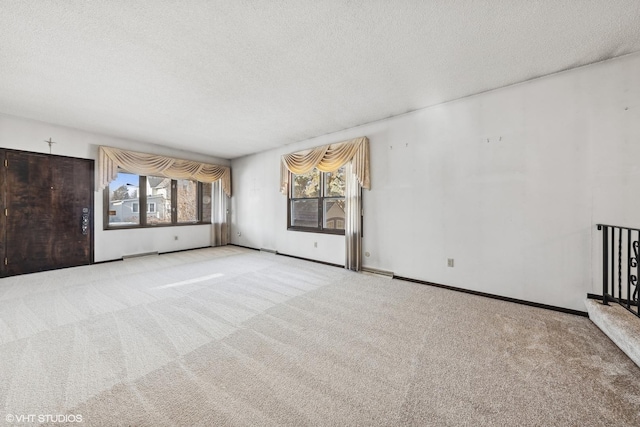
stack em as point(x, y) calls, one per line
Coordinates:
point(168, 202)
point(316, 202)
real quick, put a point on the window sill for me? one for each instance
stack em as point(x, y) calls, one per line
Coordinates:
point(316, 230)
point(130, 227)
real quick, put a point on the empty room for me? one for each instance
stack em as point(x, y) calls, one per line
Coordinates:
point(267, 213)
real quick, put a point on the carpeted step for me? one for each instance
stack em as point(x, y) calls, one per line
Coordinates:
point(622, 327)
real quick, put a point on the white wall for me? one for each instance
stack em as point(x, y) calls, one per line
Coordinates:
point(29, 135)
point(259, 213)
point(509, 183)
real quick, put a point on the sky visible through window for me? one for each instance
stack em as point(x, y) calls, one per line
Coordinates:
point(124, 179)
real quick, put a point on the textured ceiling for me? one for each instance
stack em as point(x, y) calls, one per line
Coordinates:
point(229, 78)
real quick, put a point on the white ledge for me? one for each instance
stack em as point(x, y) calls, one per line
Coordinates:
point(622, 327)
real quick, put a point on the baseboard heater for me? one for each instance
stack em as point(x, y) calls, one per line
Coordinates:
point(378, 272)
point(139, 255)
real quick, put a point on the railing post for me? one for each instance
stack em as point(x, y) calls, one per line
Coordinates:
point(605, 263)
point(629, 263)
point(619, 265)
point(612, 266)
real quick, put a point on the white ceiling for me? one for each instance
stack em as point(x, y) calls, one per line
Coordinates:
point(228, 78)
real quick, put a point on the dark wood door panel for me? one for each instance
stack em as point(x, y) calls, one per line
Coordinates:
point(28, 212)
point(3, 218)
point(45, 196)
point(73, 184)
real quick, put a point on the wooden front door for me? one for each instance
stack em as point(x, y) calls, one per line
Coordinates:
point(48, 221)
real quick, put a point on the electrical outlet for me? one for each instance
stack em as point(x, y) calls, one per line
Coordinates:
point(175, 237)
point(449, 262)
point(315, 244)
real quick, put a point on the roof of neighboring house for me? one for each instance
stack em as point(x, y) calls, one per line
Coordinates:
point(158, 182)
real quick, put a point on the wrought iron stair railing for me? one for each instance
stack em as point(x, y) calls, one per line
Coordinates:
point(620, 266)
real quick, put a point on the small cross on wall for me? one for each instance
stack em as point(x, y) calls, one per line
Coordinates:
point(50, 142)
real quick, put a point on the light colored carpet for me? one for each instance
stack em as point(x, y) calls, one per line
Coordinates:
point(228, 336)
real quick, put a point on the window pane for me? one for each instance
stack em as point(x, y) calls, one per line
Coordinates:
point(206, 202)
point(334, 183)
point(333, 214)
point(124, 200)
point(304, 213)
point(158, 200)
point(187, 200)
point(306, 185)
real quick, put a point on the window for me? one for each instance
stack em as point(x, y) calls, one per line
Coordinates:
point(158, 200)
point(187, 193)
point(316, 202)
point(168, 202)
point(124, 201)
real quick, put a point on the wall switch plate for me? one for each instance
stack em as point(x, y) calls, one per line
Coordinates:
point(449, 262)
point(315, 244)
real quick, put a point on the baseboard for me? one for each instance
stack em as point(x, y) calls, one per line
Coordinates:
point(312, 260)
point(498, 297)
point(287, 255)
point(184, 250)
point(241, 246)
point(106, 261)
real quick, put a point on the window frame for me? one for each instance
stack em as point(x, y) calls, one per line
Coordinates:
point(321, 199)
point(142, 201)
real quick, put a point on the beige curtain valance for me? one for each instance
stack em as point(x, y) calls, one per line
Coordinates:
point(110, 159)
point(328, 158)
